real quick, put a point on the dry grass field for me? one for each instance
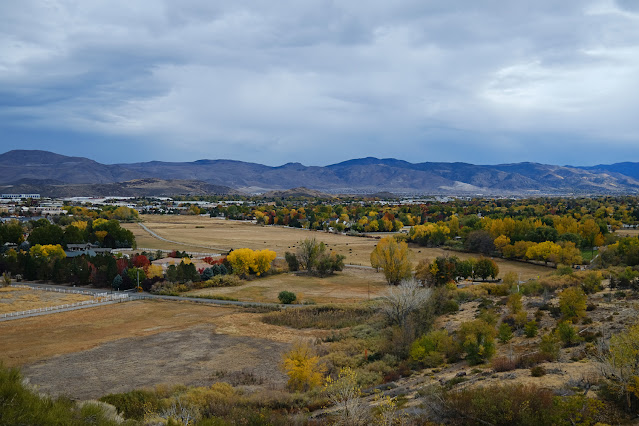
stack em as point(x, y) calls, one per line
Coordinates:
point(14, 299)
point(351, 285)
point(224, 234)
point(91, 352)
point(627, 232)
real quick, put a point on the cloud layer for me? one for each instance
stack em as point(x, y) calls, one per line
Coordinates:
point(322, 81)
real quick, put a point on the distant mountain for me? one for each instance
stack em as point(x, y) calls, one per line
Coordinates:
point(24, 164)
point(358, 176)
point(300, 192)
point(149, 187)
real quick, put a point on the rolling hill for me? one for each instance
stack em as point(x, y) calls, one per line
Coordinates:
point(42, 169)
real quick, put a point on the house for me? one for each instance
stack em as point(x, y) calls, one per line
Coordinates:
point(88, 249)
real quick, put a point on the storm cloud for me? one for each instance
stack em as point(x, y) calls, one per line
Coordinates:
point(319, 82)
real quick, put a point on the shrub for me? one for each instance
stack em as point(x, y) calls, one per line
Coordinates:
point(573, 303)
point(503, 363)
point(549, 346)
point(567, 333)
point(477, 340)
point(326, 317)
point(537, 371)
point(530, 329)
point(505, 333)
point(292, 262)
point(287, 297)
point(431, 349)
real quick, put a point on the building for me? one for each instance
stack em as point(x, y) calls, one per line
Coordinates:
point(21, 196)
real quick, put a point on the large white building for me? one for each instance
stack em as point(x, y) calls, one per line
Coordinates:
point(21, 196)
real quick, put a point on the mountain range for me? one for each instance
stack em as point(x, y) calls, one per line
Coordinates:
point(52, 174)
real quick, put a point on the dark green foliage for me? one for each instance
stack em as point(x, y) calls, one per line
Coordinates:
point(537, 371)
point(291, 260)
point(530, 329)
point(286, 297)
point(505, 333)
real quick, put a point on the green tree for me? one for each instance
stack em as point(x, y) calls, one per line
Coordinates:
point(477, 339)
point(573, 303)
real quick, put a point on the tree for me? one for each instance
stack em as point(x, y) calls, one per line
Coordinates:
point(241, 260)
point(620, 363)
point(286, 297)
point(573, 302)
point(480, 242)
point(393, 258)
point(307, 252)
point(117, 282)
point(302, 366)
point(399, 301)
point(485, 268)
point(344, 394)
point(291, 260)
point(262, 261)
point(477, 338)
point(431, 349)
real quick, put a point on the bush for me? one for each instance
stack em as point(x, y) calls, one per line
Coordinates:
point(20, 405)
point(503, 363)
point(291, 260)
point(537, 371)
point(505, 333)
point(567, 333)
point(530, 329)
point(477, 340)
point(326, 317)
point(431, 349)
point(287, 297)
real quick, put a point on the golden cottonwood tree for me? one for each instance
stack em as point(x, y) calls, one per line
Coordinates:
point(241, 260)
point(393, 258)
point(302, 366)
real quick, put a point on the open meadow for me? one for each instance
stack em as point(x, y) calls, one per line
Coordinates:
point(116, 348)
point(16, 299)
point(198, 232)
point(351, 285)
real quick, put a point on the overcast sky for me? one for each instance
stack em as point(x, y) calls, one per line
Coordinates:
point(319, 82)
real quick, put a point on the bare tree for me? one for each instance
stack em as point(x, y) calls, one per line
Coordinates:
point(403, 299)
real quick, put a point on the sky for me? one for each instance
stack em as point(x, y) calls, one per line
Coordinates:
point(321, 81)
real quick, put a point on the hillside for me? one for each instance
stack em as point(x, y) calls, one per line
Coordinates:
point(149, 187)
point(41, 169)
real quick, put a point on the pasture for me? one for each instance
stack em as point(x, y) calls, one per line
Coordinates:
point(16, 299)
point(116, 348)
point(198, 232)
point(351, 285)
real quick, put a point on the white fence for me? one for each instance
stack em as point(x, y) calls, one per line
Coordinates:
point(98, 298)
point(62, 290)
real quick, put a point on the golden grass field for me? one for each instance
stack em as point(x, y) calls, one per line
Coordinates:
point(13, 299)
point(90, 352)
point(351, 285)
point(202, 232)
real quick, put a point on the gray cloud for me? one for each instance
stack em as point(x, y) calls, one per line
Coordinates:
point(323, 81)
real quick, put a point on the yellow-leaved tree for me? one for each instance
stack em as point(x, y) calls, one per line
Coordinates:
point(302, 366)
point(263, 260)
point(47, 251)
point(80, 224)
point(241, 260)
point(393, 258)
